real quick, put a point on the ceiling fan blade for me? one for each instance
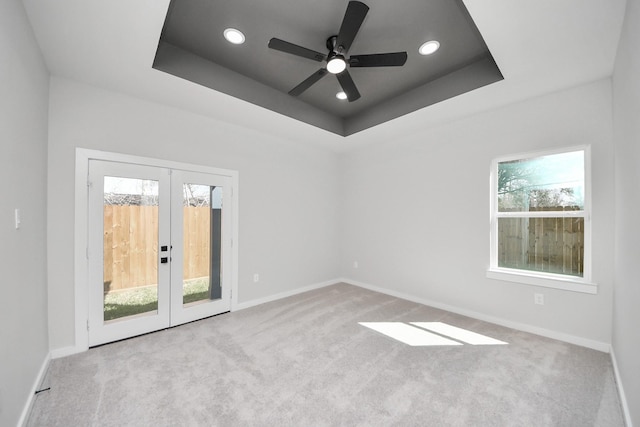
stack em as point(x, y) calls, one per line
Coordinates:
point(353, 18)
point(308, 82)
point(348, 86)
point(294, 49)
point(395, 59)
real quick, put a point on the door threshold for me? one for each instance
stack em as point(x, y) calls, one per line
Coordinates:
point(159, 330)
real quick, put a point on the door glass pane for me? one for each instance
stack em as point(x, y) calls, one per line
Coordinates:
point(130, 242)
point(202, 208)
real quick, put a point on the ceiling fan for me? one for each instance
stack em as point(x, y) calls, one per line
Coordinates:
point(338, 47)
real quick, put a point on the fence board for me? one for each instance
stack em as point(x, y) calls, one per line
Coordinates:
point(554, 245)
point(196, 233)
point(108, 245)
point(130, 244)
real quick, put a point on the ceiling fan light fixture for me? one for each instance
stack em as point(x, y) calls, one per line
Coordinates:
point(341, 96)
point(429, 47)
point(234, 36)
point(336, 64)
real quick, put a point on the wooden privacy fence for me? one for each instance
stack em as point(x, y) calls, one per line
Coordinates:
point(131, 245)
point(553, 245)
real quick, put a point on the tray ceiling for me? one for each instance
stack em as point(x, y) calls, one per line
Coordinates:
point(192, 47)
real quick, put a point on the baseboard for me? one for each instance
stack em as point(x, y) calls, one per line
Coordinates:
point(623, 397)
point(66, 351)
point(24, 416)
point(560, 336)
point(270, 298)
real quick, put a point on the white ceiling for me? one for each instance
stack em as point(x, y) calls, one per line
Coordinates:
point(540, 46)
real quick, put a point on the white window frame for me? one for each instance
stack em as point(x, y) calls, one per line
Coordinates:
point(536, 278)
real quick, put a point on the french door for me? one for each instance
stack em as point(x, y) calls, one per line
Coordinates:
point(159, 248)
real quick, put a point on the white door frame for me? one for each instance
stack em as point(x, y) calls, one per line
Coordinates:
point(81, 239)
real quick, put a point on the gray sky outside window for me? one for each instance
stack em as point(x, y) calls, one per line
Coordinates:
point(118, 185)
point(200, 195)
point(547, 183)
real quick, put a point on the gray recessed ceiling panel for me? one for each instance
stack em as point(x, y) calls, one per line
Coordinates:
point(192, 47)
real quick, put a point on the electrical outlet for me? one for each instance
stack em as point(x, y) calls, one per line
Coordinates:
point(355, 264)
point(538, 299)
point(256, 278)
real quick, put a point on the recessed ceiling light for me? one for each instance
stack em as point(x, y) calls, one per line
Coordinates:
point(234, 36)
point(429, 47)
point(341, 95)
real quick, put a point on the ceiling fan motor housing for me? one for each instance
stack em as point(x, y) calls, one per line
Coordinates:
point(332, 45)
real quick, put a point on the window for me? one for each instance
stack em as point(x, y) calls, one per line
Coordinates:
point(540, 219)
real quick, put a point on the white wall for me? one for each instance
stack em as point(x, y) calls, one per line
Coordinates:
point(416, 211)
point(626, 312)
point(23, 150)
point(288, 218)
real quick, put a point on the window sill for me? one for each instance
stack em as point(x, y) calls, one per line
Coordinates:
point(530, 278)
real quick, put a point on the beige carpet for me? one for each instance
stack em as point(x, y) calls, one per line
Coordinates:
point(306, 361)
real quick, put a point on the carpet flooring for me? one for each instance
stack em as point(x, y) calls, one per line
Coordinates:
point(307, 361)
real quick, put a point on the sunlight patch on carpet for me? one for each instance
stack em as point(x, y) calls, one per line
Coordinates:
point(408, 334)
point(423, 334)
point(459, 334)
